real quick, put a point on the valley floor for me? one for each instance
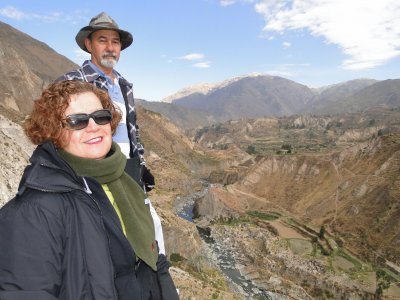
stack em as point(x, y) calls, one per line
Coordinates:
point(279, 256)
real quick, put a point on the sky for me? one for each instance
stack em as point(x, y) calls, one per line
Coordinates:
point(181, 43)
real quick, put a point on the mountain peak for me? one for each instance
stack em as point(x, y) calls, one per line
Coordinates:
point(206, 88)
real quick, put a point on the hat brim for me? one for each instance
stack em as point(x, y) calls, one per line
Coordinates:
point(126, 37)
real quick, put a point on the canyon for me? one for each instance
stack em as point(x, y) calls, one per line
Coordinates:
point(305, 206)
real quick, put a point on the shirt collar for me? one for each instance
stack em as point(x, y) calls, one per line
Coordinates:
point(101, 73)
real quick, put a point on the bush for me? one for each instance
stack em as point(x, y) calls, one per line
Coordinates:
point(263, 216)
point(176, 257)
point(383, 131)
point(251, 149)
point(321, 232)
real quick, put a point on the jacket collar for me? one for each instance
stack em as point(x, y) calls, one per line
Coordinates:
point(48, 172)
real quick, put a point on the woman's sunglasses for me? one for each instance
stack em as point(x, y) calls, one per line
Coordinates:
point(80, 121)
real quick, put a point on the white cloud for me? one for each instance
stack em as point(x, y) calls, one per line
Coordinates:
point(12, 13)
point(227, 2)
point(231, 2)
point(280, 73)
point(192, 56)
point(286, 70)
point(196, 56)
point(286, 45)
point(16, 14)
point(202, 65)
point(367, 31)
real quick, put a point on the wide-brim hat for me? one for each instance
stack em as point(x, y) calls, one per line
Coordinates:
point(99, 22)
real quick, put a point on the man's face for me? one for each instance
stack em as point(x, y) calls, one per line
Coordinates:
point(105, 47)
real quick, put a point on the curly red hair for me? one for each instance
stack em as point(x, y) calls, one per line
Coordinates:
point(44, 123)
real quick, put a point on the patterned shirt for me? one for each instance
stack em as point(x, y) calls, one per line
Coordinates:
point(114, 91)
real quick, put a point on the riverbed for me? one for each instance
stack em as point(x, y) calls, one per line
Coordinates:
point(224, 259)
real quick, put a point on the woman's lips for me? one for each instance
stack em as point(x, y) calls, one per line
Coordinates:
point(95, 140)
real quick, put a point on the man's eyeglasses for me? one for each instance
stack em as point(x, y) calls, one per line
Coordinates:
point(80, 121)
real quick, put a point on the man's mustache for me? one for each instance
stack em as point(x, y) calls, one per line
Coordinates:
point(109, 54)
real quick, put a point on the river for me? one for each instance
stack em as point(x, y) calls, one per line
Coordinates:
point(223, 258)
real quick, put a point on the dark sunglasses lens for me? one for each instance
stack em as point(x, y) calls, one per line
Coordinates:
point(102, 117)
point(76, 122)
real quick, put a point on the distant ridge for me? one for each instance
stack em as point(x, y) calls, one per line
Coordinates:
point(384, 93)
point(183, 117)
point(250, 97)
point(206, 88)
point(260, 95)
point(349, 86)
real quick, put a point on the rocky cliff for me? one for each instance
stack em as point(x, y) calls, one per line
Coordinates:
point(26, 66)
point(15, 150)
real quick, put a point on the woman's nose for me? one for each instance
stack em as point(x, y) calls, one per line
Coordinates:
point(92, 124)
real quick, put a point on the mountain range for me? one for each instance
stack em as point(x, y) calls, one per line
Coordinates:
point(28, 65)
point(263, 95)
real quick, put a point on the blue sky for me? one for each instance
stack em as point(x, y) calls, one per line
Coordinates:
point(180, 43)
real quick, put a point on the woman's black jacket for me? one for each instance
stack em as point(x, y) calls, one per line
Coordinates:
point(60, 238)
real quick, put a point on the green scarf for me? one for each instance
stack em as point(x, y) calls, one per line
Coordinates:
point(127, 194)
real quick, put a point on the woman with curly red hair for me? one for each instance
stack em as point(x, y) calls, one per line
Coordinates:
point(79, 226)
point(44, 122)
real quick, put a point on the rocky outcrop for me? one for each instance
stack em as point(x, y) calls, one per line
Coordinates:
point(213, 205)
point(15, 150)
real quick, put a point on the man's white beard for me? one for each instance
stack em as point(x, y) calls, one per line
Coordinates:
point(108, 62)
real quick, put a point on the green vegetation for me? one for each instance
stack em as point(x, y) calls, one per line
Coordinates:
point(341, 252)
point(208, 275)
point(383, 131)
point(250, 218)
point(176, 257)
point(383, 282)
point(323, 250)
point(263, 216)
point(285, 149)
point(251, 149)
point(232, 221)
point(321, 294)
point(321, 232)
point(371, 122)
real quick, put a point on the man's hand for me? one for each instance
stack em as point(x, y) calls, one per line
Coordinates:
point(148, 179)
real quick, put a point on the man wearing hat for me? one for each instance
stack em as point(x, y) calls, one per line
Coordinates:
point(104, 40)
